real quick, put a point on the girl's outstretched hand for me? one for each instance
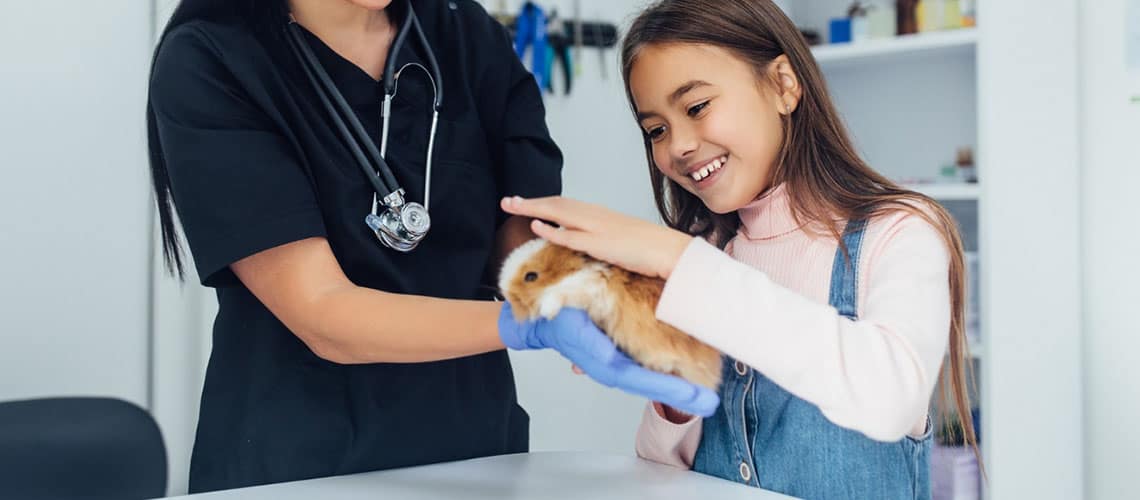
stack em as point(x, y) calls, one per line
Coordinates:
point(634, 244)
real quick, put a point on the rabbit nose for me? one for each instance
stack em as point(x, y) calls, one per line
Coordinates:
point(531, 276)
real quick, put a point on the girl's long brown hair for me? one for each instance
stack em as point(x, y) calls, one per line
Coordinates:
point(826, 180)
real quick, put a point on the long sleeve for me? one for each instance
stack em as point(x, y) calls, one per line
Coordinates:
point(665, 442)
point(874, 375)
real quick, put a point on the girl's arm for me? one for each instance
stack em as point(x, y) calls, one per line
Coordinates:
point(668, 436)
point(874, 375)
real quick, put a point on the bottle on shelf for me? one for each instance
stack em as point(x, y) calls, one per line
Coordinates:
point(966, 170)
point(936, 15)
point(907, 17)
point(969, 13)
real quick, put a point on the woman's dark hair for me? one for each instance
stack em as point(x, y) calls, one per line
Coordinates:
point(827, 182)
point(261, 15)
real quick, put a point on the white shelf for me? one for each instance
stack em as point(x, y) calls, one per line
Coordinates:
point(948, 192)
point(927, 45)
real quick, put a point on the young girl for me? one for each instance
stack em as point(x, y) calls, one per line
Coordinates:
point(840, 293)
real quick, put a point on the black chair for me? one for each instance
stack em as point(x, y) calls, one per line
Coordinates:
point(90, 448)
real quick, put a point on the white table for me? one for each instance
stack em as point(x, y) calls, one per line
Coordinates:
point(539, 476)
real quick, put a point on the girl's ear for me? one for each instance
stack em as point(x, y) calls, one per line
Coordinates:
point(788, 89)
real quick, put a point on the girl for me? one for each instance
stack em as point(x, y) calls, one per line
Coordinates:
point(839, 293)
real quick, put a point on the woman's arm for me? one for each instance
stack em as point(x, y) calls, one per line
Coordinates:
point(303, 285)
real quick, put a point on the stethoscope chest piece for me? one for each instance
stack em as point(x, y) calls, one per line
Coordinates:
point(401, 227)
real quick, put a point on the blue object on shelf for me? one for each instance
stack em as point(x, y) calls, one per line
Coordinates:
point(840, 30)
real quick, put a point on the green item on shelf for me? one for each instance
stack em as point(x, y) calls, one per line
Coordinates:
point(948, 173)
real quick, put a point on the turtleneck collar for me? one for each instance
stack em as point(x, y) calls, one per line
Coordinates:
point(768, 216)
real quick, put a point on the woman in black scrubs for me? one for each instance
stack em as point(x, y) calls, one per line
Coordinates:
point(333, 353)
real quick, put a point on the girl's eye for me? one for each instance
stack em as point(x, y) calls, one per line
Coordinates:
point(697, 108)
point(655, 133)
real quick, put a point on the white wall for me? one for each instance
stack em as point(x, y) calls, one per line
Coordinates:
point(1110, 158)
point(1028, 145)
point(74, 217)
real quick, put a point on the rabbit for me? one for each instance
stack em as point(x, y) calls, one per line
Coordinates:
point(539, 279)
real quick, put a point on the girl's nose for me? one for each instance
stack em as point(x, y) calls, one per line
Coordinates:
point(683, 142)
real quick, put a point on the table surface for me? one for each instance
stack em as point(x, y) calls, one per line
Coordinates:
point(542, 476)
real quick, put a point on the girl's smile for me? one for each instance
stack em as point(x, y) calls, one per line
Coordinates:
point(704, 174)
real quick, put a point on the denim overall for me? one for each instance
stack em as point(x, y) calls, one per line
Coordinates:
point(765, 437)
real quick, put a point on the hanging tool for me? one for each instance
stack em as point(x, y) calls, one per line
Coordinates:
point(530, 31)
point(559, 43)
point(577, 37)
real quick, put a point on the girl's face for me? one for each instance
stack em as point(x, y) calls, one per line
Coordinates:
point(715, 125)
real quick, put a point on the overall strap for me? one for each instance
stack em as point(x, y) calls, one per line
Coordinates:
point(845, 271)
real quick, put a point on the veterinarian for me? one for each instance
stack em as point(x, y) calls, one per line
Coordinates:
point(336, 167)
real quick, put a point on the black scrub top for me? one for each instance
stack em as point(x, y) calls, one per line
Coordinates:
point(254, 162)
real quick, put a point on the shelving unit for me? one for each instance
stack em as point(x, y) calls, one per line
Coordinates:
point(921, 45)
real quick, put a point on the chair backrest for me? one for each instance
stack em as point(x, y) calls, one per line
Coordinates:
point(89, 448)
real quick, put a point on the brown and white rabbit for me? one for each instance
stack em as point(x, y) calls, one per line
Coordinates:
point(540, 278)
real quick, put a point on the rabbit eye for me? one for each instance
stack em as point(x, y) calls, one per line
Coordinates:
point(531, 276)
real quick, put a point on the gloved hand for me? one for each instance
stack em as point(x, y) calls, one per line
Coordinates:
point(578, 339)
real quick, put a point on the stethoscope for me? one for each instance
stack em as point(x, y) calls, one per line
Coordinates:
point(402, 224)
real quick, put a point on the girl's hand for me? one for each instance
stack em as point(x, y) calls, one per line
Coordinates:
point(634, 244)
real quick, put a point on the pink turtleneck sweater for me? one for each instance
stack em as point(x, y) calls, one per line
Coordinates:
point(765, 304)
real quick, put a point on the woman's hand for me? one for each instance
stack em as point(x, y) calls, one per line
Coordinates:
point(634, 244)
point(579, 340)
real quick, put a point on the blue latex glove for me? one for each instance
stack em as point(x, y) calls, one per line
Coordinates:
point(578, 339)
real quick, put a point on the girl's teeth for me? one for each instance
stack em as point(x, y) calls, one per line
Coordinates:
point(709, 169)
